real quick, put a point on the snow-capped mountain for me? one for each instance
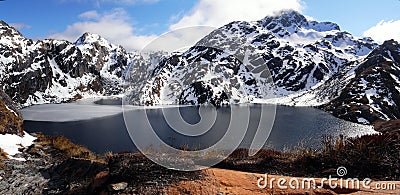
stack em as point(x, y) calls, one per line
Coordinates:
point(53, 71)
point(373, 92)
point(283, 59)
point(230, 64)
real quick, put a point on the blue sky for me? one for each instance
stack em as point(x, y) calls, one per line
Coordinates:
point(133, 21)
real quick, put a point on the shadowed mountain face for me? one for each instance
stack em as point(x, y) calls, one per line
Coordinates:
point(373, 94)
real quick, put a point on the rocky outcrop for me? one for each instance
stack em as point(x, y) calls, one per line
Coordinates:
point(10, 118)
point(56, 166)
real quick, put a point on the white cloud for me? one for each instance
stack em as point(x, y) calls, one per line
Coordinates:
point(90, 15)
point(179, 40)
point(130, 1)
point(384, 31)
point(218, 13)
point(20, 26)
point(125, 2)
point(113, 26)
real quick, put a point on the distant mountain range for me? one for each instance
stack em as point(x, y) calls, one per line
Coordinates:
point(309, 63)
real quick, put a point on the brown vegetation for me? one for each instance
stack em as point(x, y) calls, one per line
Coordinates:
point(10, 121)
point(372, 156)
point(67, 148)
point(3, 155)
point(388, 126)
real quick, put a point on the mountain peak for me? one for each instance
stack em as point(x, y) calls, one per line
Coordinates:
point(387, 52)
point(286, 18)
point(290, 19)
point(391, 46)
point(8, 30)
point(89, 38)
point(2, 23)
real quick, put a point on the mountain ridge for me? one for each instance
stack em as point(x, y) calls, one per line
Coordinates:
point(295, 66)
point(55, 71)
point(291, 61)
point(373, 94)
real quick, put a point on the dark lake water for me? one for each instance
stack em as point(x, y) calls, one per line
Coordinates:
point(293, 126)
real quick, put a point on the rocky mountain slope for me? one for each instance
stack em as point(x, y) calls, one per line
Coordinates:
point(44, 71)
point(373, 94)
point(230, 64)
point(284, 59)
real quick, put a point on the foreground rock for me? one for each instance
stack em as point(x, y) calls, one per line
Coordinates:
point(46, 170)
point(56, 166)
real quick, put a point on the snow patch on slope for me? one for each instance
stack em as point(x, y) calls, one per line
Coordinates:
point(11, 143)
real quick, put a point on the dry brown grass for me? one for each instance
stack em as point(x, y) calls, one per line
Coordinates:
point(3, 155)
point(392, 126)
point(9, 121)
point(68, 148)
point(372, 156)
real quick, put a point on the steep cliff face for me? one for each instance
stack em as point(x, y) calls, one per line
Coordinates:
point(53, 71)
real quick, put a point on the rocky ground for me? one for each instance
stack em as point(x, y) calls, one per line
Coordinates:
point(56, 166)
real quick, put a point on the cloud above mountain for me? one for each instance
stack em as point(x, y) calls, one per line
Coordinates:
point(384, 30)
point(218, 13)
point(20, 26)
point(115, 25)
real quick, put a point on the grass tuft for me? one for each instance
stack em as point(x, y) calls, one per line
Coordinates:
point(3, 155)
point(67, 147)
point(10, 121)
